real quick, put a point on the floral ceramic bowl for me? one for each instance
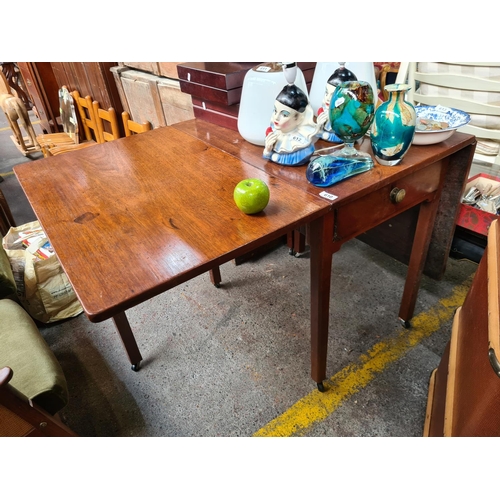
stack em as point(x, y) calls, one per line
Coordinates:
point(437, 123)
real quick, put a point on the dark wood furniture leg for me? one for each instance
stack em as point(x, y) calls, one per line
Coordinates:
point(289, 242)
point(123, 326)
point(215, 276)
point(421, 242)
point(299, 242)
point(296, 242)
point(320, 241)
point(456, 178)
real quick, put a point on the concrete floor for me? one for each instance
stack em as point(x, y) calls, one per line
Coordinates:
point(234, 361)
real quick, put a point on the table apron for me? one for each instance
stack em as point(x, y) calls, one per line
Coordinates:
point(367, 212)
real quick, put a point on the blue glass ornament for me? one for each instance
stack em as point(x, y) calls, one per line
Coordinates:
point(326, 171)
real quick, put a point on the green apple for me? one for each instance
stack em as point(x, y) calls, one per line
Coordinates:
point(251, 196)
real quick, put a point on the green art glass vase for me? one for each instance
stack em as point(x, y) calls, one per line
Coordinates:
point(393, 127)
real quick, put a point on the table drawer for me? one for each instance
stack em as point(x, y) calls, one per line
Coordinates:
point(362, 214)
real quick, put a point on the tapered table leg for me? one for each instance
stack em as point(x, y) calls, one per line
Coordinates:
point(122, 325)
point(423, 234)
point(299, 242)
point(215, 276)
point(320, 241)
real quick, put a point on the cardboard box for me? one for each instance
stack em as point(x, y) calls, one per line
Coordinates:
point(472, 218)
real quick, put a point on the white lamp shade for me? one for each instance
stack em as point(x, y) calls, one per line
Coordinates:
point(261, 86)
point(364, 71)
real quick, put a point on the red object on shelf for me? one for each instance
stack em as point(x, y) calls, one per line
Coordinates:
point(215, 88)
point(472, 218)
point(212, 116)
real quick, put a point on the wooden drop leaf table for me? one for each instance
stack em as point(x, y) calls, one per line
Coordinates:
point(134, 217)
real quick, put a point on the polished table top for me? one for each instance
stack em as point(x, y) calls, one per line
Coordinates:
point(415, 174)
point(134, 217)
point(417, 158)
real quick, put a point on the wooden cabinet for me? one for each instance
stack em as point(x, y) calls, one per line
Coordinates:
point(42, 87)
point(43, 80)
point(90, 78)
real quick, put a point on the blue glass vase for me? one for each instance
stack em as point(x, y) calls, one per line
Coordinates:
point(351, 113)
point(393, 127)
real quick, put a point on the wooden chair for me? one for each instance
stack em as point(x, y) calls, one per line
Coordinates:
point(71, 139)
point(386, 71)
point(88, 120)
point(473, 87)
point(67, 148)
point(21, 417)
point(132, 127)
point(87, 117)
point(69, 123)
point(103, 119)
point(464, 391)
point(106, 119)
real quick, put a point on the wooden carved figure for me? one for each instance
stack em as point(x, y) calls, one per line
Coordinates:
point(16, 111)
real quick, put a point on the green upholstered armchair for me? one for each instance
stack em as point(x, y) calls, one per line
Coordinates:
point(32, 382)
point(37, 373)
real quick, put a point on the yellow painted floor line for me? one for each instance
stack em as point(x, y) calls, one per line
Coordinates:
point(317, 406)
point(3, 129)
point(6, 174)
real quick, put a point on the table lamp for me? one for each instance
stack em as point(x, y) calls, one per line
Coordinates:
point(364, 71)
point(260, 87)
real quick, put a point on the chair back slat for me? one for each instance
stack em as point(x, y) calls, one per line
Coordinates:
point(106, 118)
point(132, 127)
point(86, 112)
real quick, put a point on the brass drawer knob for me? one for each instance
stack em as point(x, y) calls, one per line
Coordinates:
point(397, 195)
